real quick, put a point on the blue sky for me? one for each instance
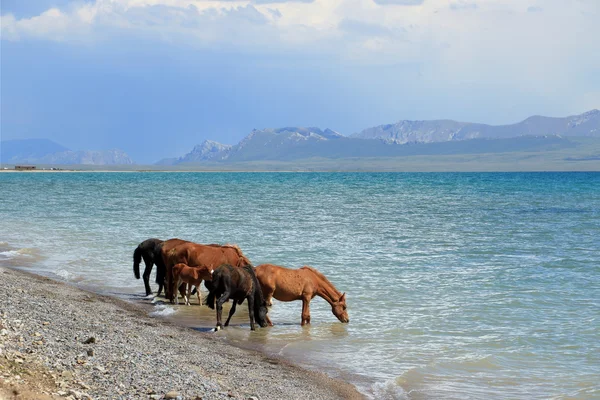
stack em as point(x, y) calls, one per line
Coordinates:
point(156, 77)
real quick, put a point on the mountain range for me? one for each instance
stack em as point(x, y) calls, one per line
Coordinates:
point(572, 138)
point(44, 151)
point(404, 138)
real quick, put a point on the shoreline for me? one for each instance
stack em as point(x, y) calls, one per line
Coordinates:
point(45, 324)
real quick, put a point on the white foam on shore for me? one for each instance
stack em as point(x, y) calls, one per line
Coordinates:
point(389, 390)
point(9, 254)
point(63, 273)
point(162, 311)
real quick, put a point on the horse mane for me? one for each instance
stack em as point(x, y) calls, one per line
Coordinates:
point(259, 298)
point(240, 255)
point(320, 275)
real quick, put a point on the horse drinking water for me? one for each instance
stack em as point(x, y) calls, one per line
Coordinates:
point(300, 284)
point(237, 283)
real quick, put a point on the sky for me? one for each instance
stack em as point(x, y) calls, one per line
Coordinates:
point(156, 77)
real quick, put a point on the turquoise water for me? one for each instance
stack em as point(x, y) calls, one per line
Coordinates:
point(459, 285)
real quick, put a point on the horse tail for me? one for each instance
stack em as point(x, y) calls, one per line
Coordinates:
point(259, 299)
point(137, 258)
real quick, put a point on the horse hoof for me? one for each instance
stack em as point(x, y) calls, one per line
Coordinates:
point(217, 329)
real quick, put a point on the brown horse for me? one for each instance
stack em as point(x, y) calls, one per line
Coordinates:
point(184, 274)
point(159, 260)
point(300, 284)
point(209, 256)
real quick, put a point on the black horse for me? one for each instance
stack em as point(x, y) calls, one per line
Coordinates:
point(150, 251)
point(238, 284)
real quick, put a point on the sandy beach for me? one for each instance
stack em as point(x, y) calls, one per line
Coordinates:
point(58, 341)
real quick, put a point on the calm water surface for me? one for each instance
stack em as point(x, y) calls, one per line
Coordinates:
point(459, 286)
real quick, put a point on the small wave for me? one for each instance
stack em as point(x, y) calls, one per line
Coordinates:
point(69, 276)
point(9, 254)
point(389, 390)
point(24, 252)
point(24, 257)
point(162, 311)
point(63, 273)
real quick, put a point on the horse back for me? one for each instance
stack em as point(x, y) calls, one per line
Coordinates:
point(286, 284)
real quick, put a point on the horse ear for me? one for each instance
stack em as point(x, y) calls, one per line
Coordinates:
point(343, 297)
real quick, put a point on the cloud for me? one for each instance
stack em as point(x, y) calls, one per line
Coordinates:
point(499, 44)
point(399, 2)
point(279, 1)
point(463, 6)
point(363, 28)
point(535, 9)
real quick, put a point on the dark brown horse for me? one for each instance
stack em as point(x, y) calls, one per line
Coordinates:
point(208, 256)
point(238, 284)
point(146, 251)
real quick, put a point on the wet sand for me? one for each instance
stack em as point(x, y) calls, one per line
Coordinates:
point(58, 341)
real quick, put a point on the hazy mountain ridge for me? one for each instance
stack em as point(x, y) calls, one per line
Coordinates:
point(586, 124)
point(536, 134)
point(44, 151)
point(259, 144)
point(404, 138)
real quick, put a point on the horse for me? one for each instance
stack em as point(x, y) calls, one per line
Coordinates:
point(300, 284)
point(200, 255)
point(238, 284)
point(161, 269)
point(184, 274)
point(146, 250)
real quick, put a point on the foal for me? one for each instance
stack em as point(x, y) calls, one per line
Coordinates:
point(192, 276)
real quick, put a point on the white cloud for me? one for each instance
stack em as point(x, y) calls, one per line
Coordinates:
point(488, 40)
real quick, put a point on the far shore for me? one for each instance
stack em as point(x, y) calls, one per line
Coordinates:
point(58, 341)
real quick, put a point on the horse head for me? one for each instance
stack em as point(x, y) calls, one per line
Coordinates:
point(261, 315)
point(339, 309)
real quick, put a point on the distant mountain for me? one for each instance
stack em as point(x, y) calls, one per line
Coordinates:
point(405, 138)
point(207, 151)
point(259, 144)
point(12, 151)
point(44, 151)
point(274, 144)
point(587, 124)
point(87, 157)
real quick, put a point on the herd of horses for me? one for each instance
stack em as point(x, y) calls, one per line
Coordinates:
point(229, 275)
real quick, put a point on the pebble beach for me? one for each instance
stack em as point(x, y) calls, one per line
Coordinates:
point(61, 342)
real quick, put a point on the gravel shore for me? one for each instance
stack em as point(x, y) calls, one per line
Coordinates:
point(57, 342)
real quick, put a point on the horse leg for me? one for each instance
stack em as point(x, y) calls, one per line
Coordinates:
point(199, 294)
point(181, 289)
point(269, 320)
point(305, 311)
point(231, 312)
point(160, 276)
point(177, 297)
point(268, 294)
point(171, 285)
point(251, 311)
point(224, 297)
point(149, 264)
